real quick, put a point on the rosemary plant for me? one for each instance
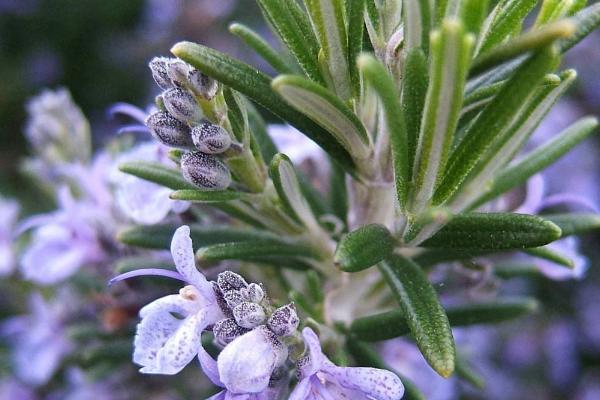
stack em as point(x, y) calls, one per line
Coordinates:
point(424, 108)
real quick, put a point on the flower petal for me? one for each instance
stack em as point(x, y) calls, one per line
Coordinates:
point(183, 256)
point(316, 358)
point(302, 390)
point(376, 384)
point(209, 367)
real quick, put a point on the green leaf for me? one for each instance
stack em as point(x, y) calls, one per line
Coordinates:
point(377, 75)
point(530, 41)
point(414, 90)
point(473, 13)
point(507, 19)
point(494, 123)
point(450, 56)
point(356, 23)
point(586, 21)
point(539, 159)
point(516, 270)
point(424, 314)
point(327, 17)
point(286, 184)
point(494, 231)
point(575, 223)
point(261, 47)
point(256, 85)
point(338, 193)
point(259, 131)
point(417, 24)
point(159, 236)
point(326, 109)
point(293, 27)
point(466, 373)
point(364, 247)
point(157, 173)
point(198, 196)
point(365, 356)
point(547, 253)
point(253, 249)
point(392, 324)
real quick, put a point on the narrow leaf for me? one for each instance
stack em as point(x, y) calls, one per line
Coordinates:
point(586, 21)
point(355, 15)
point(377, 75)
point(547, 253)
point(539, 159)
point(492, 124)
point(157, 173)
point(326, 109)
point(197, 196)
point(473, 13)
point(417, 24)
point(575, 223)
point(261, 47)
point(498, 231)
point(450, 56)
point(252, 249)
point(392, 324)
point(424, 314)
point(364, 247)
point(259, 131)
point(256, 85)
point(466, 373)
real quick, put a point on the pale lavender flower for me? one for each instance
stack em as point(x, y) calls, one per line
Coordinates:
point(79, 386)
point(245, 367)
point(144, 202)
point(295, 145)
point(9, 212)
point(168, 337)
point(321, 379)
point(10, 388)
point(39, 342)
point(63, 241)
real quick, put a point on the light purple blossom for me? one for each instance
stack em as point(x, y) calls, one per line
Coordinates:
point(142, 201)
point(165, 343)
point(39, 341)
point(9, 212)
point(321, 379)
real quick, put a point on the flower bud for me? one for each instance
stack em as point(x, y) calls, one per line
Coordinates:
point(169, 131)
point(249, 315)
point(284, 321)
point(182, 105)
point(211, 139)
point(231, 285)
point(158, 66)
point(226, 330)
point(203, 85)
point(178, 71)
point(205, 171)
point(254, 293)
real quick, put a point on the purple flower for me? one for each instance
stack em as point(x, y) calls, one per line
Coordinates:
point(9, 212)
point(39, 341)
point(246, 366)
point(321, 379)
point(168, 337)
point(62, 242)
point(142, 201)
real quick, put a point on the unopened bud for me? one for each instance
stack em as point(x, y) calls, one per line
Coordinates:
point(203, 85)
point(231, 285)
point(253, 293)
point(226, 330)
point(158, 66)
point(178, 72)
point(249, 315)
point(284, 321)
point(211, 139)
point(169, 131)
point(182, 105)
point(205, 171)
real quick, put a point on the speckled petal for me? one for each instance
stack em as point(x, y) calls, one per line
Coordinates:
point(316, 357)
point(376, 384)
point(183, 256)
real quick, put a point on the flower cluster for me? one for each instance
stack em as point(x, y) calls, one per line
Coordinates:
point(181, 123)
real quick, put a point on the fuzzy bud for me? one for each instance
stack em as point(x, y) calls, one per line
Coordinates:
point(203, 85)
point(231, 285)
point(158, 66)
point(205, 171)
point(169, 131)
point(211, 139)
point(178, 72)
point(284, 321)
point(226, 330)
point(249, 315)
point(182, 105)
point(254, 293)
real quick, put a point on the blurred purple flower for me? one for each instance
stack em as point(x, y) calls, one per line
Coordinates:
point(63, 241)
point(142, 201)
point(9, 212)
point(39, 341)
point(321, 379)
point(10, 388)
